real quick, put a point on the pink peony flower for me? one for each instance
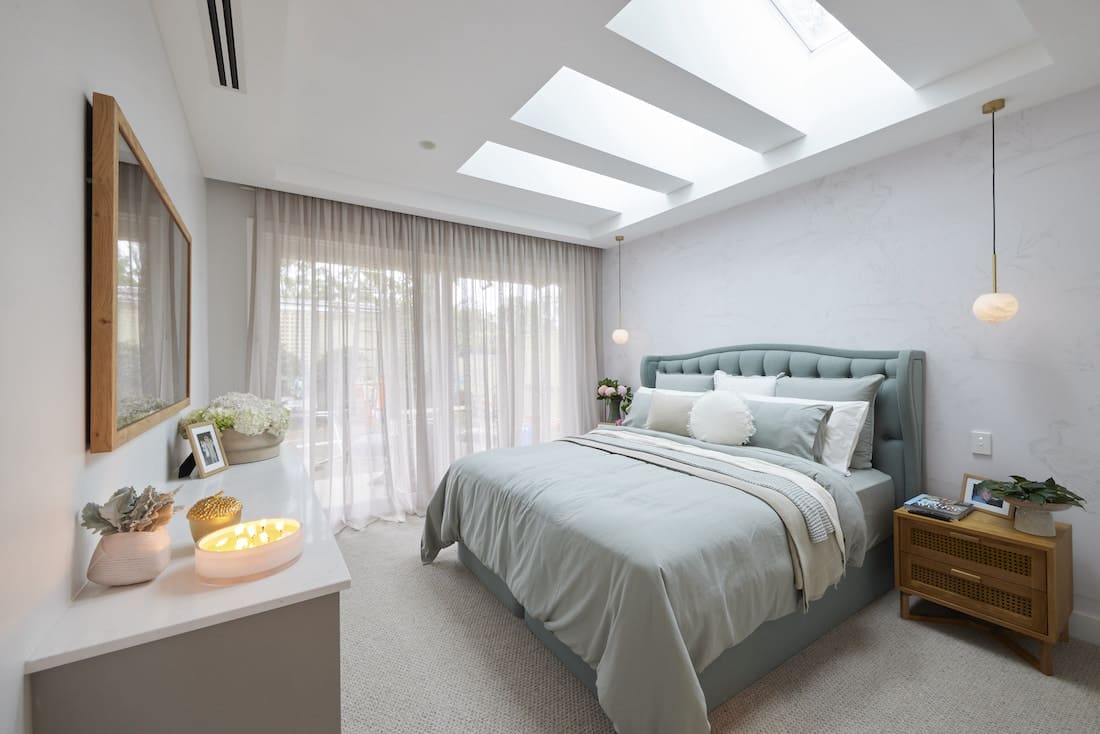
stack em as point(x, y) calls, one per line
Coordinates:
point(602, 390)
point(622, 390)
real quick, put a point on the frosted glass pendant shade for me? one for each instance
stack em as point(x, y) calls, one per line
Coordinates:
point(995, 307)
point(620, 336)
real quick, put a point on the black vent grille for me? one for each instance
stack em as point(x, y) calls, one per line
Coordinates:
point(227, 51)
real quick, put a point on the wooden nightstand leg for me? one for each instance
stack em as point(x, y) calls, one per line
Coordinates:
point(1046, 658)
point(904, 605)
point(1064, 637)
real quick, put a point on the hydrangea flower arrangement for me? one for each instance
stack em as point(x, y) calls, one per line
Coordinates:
point(243, 412)
point(611, 390)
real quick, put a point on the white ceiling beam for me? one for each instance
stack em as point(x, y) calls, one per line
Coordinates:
point(632, 69)
point(518, 135)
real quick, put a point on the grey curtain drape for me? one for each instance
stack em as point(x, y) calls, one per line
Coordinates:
point(402, 343)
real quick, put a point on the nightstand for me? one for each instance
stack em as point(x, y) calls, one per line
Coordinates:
point(984, 568)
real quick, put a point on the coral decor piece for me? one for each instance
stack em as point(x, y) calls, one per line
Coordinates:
point(129, 512)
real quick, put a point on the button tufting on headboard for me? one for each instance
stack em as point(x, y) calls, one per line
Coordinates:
point(899, 406)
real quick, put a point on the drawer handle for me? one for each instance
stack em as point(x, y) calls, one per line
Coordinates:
point(964, 536)
point(966, 575)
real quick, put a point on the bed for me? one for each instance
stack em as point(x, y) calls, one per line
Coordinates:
point(634, 558)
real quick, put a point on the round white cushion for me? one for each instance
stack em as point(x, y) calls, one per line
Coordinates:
point(721, 417)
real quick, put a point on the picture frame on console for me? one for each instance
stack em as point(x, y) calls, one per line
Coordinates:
point(206, 447)
point(983, 501)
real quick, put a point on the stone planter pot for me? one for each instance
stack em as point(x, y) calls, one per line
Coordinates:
point(122, 559)
point(242, 449)
point(1035, 519)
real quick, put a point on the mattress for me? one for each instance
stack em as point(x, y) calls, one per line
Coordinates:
point(875, 490)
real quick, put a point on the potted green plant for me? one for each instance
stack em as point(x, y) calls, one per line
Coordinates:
point(251, 428)
point(618, 398)
point(1034, 501)
point(135, 546)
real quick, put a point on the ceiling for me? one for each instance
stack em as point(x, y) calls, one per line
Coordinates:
point(581, 119)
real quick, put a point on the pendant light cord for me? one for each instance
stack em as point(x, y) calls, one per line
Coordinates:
point(620, 253)
point(993, 158)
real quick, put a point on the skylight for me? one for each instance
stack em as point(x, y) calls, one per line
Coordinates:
point(578, 108)
point(518, 168)
point(813, 23)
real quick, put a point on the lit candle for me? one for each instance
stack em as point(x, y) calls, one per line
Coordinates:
point(260, 547)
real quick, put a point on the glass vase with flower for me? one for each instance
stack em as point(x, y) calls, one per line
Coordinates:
point(617, 398)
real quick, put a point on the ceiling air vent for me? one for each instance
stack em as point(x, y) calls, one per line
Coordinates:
point(224, 52)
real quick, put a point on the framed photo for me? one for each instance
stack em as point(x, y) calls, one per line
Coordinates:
point(206, 446)
point(983, 500)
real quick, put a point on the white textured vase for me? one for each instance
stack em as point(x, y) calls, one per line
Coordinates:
point(1035, 519)
point(121, 559)
point(242, 449)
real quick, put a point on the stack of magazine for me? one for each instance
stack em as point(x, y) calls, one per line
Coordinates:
point(938, 507)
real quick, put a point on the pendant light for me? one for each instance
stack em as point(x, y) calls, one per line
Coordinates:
point(620, 335)
point(996, 306)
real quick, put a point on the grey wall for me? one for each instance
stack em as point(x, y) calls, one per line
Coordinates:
point(228, 209)
point(54, 55)
point(891, 254)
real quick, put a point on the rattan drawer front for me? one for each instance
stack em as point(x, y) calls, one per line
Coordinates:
point(981, 555)
point(987, 597)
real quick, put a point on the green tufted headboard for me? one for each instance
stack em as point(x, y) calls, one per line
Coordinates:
point(899, 407)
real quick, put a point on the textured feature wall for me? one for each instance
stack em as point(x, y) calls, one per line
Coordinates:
point(891, 254)
point(54, 54)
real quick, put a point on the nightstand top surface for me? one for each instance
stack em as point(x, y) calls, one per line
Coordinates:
point(996, 527)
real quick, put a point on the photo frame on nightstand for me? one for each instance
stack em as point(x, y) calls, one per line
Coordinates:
point(983, 500)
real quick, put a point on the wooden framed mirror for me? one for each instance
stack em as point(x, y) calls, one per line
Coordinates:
point(140, 289)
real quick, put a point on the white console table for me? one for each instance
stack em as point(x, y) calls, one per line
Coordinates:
point(175, 655)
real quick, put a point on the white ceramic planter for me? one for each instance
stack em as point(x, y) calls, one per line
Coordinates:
point(242, 449)
point(1035, 519)
point(121, 559)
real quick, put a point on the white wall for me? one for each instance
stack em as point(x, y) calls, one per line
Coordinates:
point(228, 209)
point(53, 56)
point(890, 255)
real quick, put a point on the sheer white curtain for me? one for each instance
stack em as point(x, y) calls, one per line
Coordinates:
point(402, 343)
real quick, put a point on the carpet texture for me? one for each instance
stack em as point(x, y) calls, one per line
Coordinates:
point(427, 649)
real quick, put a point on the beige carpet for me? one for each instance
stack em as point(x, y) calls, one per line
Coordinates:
point(427, 649)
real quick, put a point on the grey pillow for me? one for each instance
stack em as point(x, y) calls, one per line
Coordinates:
point(794, 429)
point(670, 412)
point(638, 413)
point(840, 388)
point(691, 383)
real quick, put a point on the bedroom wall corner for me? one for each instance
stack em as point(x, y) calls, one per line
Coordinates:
point(57, 54)
point(890, 254)
point(229, 211)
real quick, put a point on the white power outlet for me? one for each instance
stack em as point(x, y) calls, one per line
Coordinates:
point(981, 443)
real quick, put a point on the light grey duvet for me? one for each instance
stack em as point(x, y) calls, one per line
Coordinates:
point(647, 573)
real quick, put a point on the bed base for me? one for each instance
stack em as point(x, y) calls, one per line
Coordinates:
point(738, 667)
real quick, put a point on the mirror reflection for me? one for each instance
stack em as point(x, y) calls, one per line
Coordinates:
point(152, 297)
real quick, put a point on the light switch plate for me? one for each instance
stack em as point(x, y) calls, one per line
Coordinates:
point(981, 443)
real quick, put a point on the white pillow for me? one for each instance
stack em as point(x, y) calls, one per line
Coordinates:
point(745, 385)
point(841, 432)
point(721, 417)
point(669, 411)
